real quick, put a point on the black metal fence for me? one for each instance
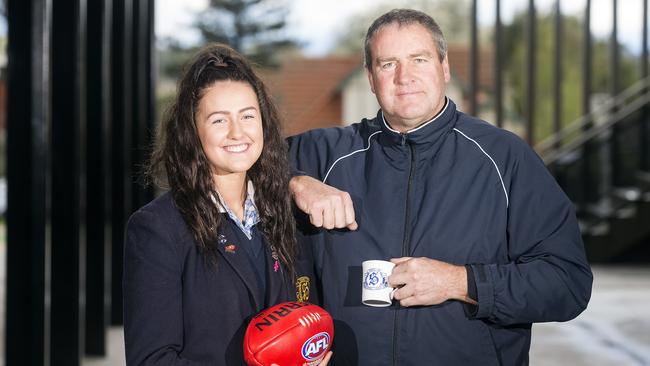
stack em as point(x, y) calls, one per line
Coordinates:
point(80, 112)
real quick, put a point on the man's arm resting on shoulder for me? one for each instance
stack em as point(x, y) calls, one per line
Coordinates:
point(326, 206)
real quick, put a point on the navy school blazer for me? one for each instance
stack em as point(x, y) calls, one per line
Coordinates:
point(181, 309)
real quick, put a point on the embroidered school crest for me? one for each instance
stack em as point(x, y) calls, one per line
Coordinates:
point(302, 289)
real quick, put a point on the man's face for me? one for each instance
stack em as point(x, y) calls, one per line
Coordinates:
point(406, 75)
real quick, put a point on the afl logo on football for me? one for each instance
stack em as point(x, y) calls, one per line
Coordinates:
point(315, 346)
point(375, 279)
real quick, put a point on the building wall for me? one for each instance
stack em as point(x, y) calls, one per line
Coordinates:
point(358, 100)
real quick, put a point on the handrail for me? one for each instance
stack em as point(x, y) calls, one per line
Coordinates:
point(615, 118)
point(640, 87)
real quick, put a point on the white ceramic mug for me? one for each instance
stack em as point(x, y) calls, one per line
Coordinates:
point(375, 289)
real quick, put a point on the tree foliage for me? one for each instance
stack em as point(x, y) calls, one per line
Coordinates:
point(515, 55)
point(252, 27)
point(451, 15)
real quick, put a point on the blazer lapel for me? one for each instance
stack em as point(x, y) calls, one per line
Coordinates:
point(238, 259)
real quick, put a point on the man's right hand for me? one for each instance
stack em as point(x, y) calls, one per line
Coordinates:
point(326, 206)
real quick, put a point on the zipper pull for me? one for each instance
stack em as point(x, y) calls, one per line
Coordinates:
point(403, 142)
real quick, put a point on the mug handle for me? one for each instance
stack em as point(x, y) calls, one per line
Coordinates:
point(392, 292)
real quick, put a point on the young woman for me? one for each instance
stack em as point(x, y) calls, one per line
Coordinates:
point(201, 259)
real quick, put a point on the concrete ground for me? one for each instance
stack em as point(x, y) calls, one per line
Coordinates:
point(614, 330)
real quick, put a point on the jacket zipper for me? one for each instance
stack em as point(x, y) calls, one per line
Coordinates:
point(405, 243)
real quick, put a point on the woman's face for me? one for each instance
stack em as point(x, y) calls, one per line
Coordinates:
point(229, 123)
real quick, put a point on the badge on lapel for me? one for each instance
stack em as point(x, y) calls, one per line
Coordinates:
point(222, 239)
point(230, 248)
point(276, 261)
point(302, 289)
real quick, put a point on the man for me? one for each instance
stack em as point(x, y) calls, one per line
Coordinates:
point(484, 240)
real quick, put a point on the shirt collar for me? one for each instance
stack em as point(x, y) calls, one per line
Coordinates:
point(251, 215)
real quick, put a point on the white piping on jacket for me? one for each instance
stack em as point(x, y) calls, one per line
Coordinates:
point(348, 155)
point(420, 126)
point(493, 163)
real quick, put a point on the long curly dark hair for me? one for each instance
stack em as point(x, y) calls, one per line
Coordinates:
point(179, 163)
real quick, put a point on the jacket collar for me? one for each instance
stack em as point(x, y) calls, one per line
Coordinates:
point(427, 133)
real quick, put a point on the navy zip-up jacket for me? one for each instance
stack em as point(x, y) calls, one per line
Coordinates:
point(455, 189)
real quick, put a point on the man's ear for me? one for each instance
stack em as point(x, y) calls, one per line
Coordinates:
point(370, 80)
point(445, 69)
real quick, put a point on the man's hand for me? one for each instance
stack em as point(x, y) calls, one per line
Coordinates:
point(425, 281)
point(326, 206)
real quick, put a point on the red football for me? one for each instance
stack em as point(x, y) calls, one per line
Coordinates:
point(289, 334)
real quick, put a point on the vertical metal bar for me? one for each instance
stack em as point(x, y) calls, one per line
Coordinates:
point(98, 79)
point(586, 63)
point(68, 182)
point(644, 133)
point(151, 86)
point(498, 72)
point(474, 62)
point(644, 42)
point(142, 97)
point(557, 81)
point(27, 333)
point(122, 115)
point(614, 53)
point(587, 181)
point(530, 73)
point(107, 154)
point(614, 174)
point(138, 128)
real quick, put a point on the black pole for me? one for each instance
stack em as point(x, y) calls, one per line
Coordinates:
point(588, 149)
point(530, 73)
point(29, 243)
point(498, 67)
point(615, 174)
point(614, 53)
point(142, 98)
point(644, 133)
point(474, 62)
point(68, 181)
point(557, 81)
point(586, 64)
point(98, 214)
point(122, 121)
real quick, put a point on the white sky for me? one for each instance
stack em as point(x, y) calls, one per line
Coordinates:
point(316, 22)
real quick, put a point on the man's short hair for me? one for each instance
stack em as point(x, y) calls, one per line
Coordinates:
point(404, 17)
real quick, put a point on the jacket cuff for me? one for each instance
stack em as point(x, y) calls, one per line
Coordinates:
point(470, 309)
point(295, 172)
point(484, 290)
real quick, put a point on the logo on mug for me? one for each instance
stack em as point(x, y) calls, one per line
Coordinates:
point(375, 279)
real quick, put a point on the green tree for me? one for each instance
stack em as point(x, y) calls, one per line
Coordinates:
point(253, 27)
point(515, 55)
point(172, 55)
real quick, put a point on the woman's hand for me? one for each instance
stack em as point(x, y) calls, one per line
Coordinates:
point(326, 359)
